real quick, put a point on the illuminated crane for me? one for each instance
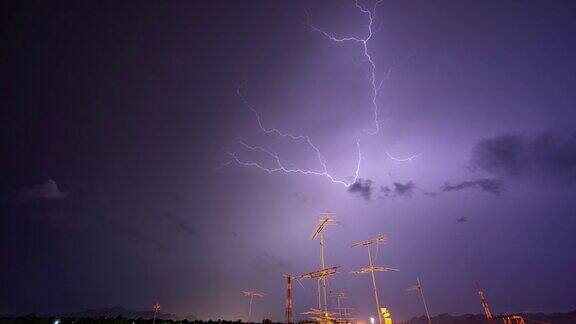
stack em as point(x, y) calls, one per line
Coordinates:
point(517, 319)
point(251, 295)
point(514, 319)
point(507, 319)
point(380, 239)
point(485, 304)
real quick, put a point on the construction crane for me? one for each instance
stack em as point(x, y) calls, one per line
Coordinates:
point(251, 295)
point(536, 321)
point(485, 304)
point(514, 319)
point(380, 239)
point(507, 319)
point(518, 319)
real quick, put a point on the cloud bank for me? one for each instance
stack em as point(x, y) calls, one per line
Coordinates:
point(47, 190)
point(399, 189)
point(492, 186)
point(550, 155)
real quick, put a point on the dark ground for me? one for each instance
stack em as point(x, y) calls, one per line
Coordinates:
point(555, 318)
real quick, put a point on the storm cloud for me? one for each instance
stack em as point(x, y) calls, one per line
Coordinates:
point(550, 155)
point(492, 186)
point(399, 189)
point(362, 187)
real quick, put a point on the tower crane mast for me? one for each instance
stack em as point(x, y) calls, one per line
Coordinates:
point(485, 304)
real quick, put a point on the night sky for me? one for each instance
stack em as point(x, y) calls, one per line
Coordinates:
point(133, 172)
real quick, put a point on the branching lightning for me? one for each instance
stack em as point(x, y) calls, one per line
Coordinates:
point(280, 164)
point(364, 43)
point(275, 131)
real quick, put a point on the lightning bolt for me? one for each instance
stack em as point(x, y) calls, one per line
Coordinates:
point(275, 131)
point(364, 42)
point(406, 159)
point(280, 164)
point(374, 88)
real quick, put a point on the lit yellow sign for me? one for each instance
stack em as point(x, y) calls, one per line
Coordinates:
point(386, 315)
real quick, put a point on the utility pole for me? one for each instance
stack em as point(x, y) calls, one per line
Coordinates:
point(485, 304)
point(418, 288)
point(380, 239)
point(156, 308)
point(251, 295)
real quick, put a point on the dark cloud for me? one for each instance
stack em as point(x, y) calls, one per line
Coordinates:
point(362, 187)
point(399, 189)
point(548, 154)
point(492, 186)
point(47, 190)
point(461, 220)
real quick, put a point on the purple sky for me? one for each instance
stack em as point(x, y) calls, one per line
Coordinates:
point(118, 186)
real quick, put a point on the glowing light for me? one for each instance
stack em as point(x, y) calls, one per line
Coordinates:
point(281, 164)
point(371, 320)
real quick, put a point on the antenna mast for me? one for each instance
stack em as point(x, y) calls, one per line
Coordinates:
point(318, 233)
point(418, 288)
point(344, 315)
point(251, 295)
point(322, 316)
point(288, 310)
point(156, 308)
point(380, 239)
